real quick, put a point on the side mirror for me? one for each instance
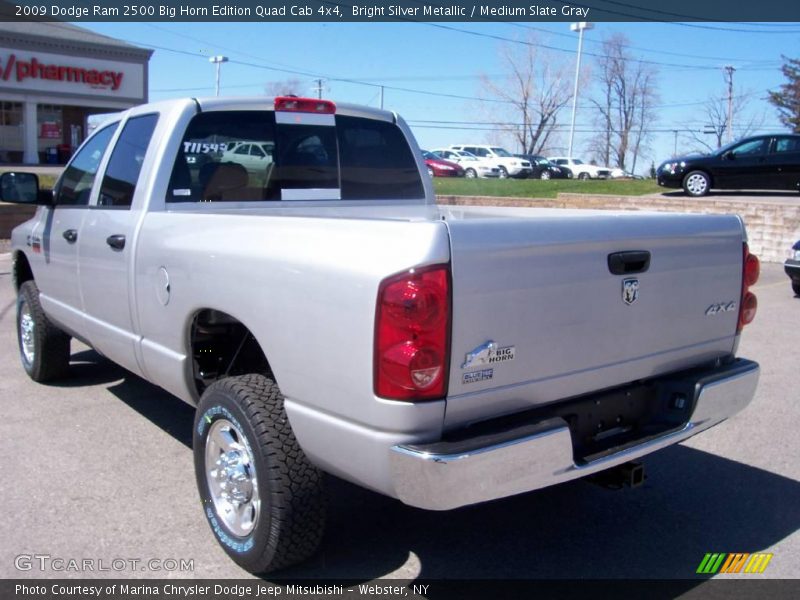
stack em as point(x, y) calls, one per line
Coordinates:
point(21, 188)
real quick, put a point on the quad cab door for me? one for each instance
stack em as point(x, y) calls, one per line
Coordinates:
point(106, 245)
point(55, 241)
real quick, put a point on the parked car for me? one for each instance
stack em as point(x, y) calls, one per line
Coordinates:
point(792, 267)
point(438, 167)
point(473, 166)
point(335, 319)
point(580, 169)
point(541, 168)
point(508, 164)
point(256, 158)
point(766, 162)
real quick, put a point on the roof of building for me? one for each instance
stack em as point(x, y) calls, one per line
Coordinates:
point(66, 32)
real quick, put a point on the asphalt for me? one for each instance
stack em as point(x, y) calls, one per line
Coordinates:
point(99, 467)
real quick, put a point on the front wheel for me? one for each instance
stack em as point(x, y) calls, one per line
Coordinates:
point(544, 175)
point(696, 184)
point(43, 347)
point(430, 172)
point(470, 174)
point(503, 173)
point(583, 176)
point(262, 497)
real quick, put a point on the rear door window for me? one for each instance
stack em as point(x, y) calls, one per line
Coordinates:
point(125, 164)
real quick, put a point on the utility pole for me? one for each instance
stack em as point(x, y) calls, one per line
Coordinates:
point(381, 97)
point(729, 79)
point(319, 88)
point(579, 27)
point(217, 60)
point(675, 146)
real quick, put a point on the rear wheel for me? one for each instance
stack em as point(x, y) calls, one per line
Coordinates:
point(430, 172)
point(545, 174)
point(43, 347)
point(583, 175)
point(696, 183)
point(470, 174)
point(262, 497)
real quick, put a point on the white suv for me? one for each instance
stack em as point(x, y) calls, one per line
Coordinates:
point(509, 165)
point(580, 170)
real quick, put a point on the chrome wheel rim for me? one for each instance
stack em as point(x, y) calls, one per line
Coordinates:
point(503, 174)
point(26, 333)
point(470, 174)
point(231, 478)
point(545, 175)
point(696, 184)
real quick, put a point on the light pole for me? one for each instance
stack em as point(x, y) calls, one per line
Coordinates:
point(218, 60)
point(579, 27)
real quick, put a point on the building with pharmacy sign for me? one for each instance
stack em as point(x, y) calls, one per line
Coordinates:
point(53, 78)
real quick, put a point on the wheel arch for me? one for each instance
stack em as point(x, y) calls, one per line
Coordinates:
point(21, 269)
point(220, 345)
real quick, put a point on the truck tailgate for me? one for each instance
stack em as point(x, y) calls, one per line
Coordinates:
point(536, 284)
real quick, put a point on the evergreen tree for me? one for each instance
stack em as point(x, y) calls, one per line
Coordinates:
point(787, 99)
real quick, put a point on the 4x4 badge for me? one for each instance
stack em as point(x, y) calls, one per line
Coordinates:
point(630, 290)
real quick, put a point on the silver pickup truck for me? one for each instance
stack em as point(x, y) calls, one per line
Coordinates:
point(283, 266)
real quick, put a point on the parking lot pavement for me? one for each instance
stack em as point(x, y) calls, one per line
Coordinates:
point(100, 467)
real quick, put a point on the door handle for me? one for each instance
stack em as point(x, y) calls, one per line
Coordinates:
point(117, 242)
point(624, 263)
point(71, 235)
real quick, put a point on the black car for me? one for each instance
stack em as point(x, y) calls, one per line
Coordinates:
point(541, 168)
point(792, 268)
point(765, 162)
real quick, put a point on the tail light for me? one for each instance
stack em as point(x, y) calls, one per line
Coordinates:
point(309, 105)
point(412, 330)
point(748, 305)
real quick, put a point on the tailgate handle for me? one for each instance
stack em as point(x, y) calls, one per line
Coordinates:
point(625, 263)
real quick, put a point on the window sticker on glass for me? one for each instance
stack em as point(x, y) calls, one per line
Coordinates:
point(203, 147)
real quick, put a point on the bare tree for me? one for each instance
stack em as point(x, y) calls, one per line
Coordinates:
point(715, 115)
point(532, 94)
point(624, 103)
point(286, 87)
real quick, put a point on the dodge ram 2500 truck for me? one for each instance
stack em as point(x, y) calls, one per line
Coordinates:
point(283, 266)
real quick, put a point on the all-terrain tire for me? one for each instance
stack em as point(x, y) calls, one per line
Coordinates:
point(43, 347)
point(289, 522)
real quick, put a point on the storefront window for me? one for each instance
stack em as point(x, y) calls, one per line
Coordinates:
point(10, 113)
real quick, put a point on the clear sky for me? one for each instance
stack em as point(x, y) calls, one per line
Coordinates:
point(439, 68)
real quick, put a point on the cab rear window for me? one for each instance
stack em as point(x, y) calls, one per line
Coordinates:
point(246, 156)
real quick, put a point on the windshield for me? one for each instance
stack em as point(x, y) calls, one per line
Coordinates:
point(429, 155)
point(577, 161)
point(501, 152)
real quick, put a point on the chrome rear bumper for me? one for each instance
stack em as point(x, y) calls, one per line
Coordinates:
point(445, 475)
